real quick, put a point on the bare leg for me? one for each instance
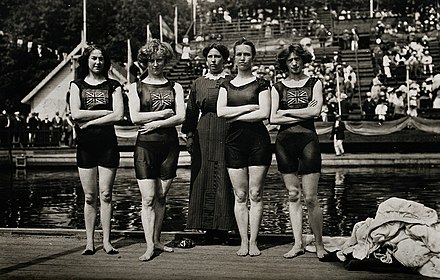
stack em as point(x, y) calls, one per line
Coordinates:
point(106, 180)
point(88, 181)
point(310, 189)
point(162, 188)
point(257, 174)
point(147, 188)
point(293, 186)
point(239, 180)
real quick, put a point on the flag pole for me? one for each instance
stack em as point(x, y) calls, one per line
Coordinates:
point(148, 33)
point(84, 37)
point(195, 16)
point(129, 60)
point(160, 28)
point(175, 25)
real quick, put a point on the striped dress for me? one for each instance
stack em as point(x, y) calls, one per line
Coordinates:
point(211, 199)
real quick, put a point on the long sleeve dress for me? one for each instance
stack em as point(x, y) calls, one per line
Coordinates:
point(211, 200)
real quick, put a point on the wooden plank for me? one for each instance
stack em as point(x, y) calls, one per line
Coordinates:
point(58, 257)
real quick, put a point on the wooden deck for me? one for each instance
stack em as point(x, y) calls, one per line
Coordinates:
point(54, 255)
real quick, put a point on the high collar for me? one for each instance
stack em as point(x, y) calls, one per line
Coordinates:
point(210, 76)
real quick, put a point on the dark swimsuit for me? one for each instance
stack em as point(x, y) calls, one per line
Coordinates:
point(297, 145)
point(247, 143)
point(156, 153)
point(97, 145)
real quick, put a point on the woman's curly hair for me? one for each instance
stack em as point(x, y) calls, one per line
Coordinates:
point(305, 55)
point(155, 47)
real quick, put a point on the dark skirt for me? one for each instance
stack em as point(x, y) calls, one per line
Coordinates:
point(211, 200)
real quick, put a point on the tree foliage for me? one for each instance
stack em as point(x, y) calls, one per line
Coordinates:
point(57, 25)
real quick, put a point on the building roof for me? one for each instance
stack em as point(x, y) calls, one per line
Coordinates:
point(60, 66)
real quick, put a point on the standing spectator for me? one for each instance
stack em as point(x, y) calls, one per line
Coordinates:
point(322, 34)
point(33, 125)
point(5, 124)
point(69, 131)
point(345, 40)
point(96, 103)
point(211, 198)
point(377, 53)
point(45, 132)
point(57, 129)
point(338, 135)
point(386, 64)
point(355, 38)
point(17, 129)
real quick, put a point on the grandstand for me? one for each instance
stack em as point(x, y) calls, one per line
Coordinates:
point(280, 36)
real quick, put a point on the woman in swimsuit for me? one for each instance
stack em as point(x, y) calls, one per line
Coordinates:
point(96, 104)
point(245, 103)
point(157, 106)
point(296, 102)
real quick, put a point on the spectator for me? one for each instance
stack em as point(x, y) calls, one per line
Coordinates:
point(322, 34)
point(381, 111)
point(69, 131)
point(386, 64)
point(33, 125)
point(17, 129)
point(368, 108)
point(426, 61)
point(355, 38)
point(57, 125)
point(345, 40)
point(338, 135)
point(4, 128)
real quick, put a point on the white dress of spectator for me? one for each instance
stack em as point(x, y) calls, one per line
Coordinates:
point(427, 63)
point(307, 44)
point(386, 62)
point(227, 17)
point(186, 52)
point(381, 111)
point(375, 88)
point(355, 39)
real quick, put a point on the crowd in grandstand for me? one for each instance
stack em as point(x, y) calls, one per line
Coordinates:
point(395, 49)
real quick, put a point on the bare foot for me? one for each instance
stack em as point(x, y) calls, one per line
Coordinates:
point(244, 249)
point(89, 250)
point(108, 248)
point(161, 247)
point(253, 250)
point(294, 252)
point(320, 251)
point(147, 256)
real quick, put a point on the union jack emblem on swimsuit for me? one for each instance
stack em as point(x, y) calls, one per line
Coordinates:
point(297, 97)
point(95, 97)
point(161, 100)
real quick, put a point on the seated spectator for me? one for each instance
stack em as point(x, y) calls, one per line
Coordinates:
point(413, 63)
point(368, 108)
point(375, 88)
point(324, 113)
point(426, 61)
point(381, 111)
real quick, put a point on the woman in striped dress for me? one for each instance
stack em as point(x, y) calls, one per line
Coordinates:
point(211, 201)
